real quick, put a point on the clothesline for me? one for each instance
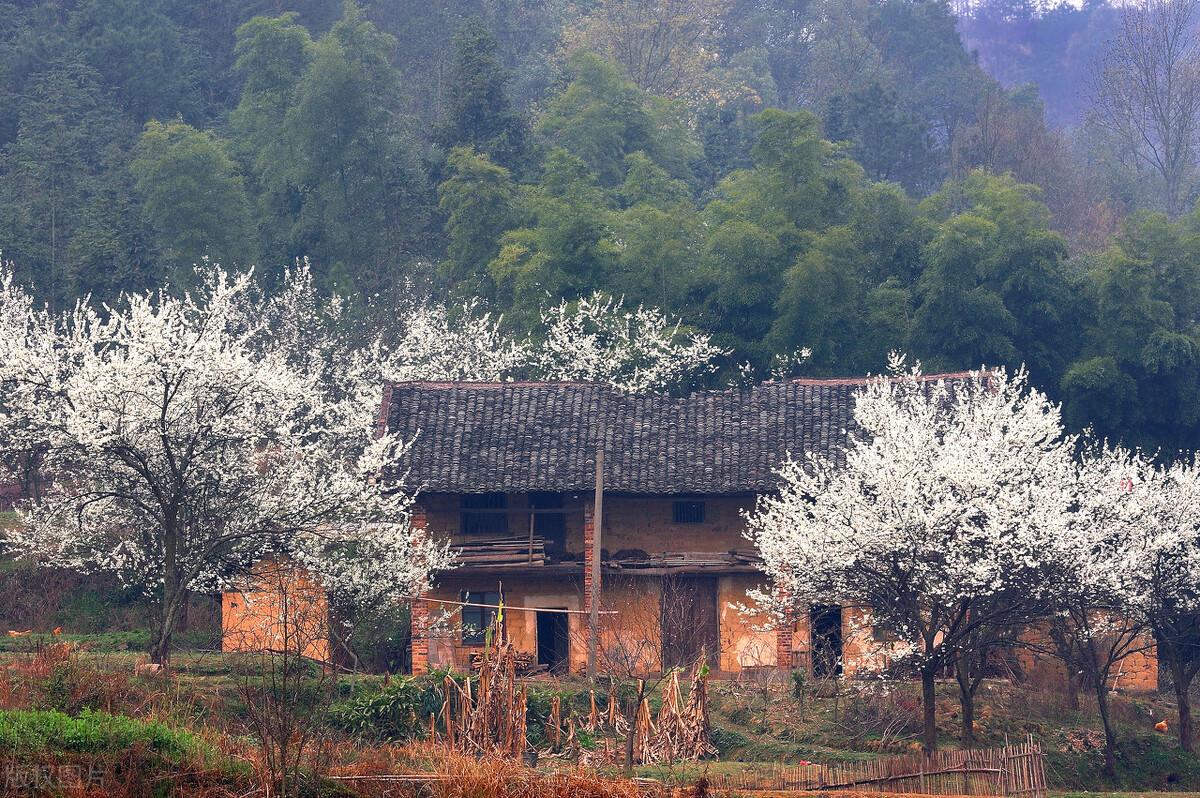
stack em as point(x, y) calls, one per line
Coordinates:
point(508, 607)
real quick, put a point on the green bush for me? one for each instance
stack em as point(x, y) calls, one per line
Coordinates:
point(1147, 762)
point(728, 741)
point(741, 715)
point(397, 712)
point(24, 731)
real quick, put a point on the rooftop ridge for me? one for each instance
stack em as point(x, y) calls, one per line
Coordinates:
point(817, 381)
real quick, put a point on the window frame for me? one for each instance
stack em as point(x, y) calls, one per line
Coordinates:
point(483, 617)
point(689, 511)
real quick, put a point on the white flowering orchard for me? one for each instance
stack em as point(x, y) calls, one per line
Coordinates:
point(944, 517)
point(1133, 574)
point(185, 438)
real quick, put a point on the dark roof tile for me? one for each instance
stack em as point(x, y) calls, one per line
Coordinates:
point(517, 437)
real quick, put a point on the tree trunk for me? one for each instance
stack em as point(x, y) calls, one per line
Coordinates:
point(173, 592)
point(1183, 684)
point(929, 709)
point(1072, 689)
point(1110, 737)
point(160, 643)
point(966, 703)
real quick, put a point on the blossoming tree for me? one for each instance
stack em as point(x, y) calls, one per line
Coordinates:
point(938, 522)
point(1131, 576)
point(189, 436)
point(186, 439)
point(597, 339)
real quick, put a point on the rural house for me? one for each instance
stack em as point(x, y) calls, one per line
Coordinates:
point(515, 476)
point(508, 472)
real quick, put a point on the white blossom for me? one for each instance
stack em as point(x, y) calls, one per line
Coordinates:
point(944, 515)
point(467, 344)
point(597, 339)
point(1136, 544)
point(956, 489)
point(186, 437)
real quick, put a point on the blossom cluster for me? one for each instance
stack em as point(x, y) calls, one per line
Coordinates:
point(187, 436)
point(959, 499)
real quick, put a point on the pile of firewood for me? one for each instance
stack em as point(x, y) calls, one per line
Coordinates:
point(526, 664)
point(500, 551)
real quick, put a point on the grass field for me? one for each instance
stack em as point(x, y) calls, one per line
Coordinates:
point(756, 721)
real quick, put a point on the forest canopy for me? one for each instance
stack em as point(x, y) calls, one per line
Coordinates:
point(849, 177)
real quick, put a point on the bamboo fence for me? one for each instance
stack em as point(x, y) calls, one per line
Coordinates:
point(1012, 770)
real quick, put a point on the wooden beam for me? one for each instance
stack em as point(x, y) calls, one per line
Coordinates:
point(597, 526)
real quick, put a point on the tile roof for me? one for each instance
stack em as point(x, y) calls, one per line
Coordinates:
point(517, 437)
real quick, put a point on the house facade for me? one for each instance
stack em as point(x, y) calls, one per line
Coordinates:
point(552, 493)
point(508, 473)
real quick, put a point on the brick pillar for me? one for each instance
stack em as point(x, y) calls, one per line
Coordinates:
point(590, 571)
point(783, 644)
point(420, 609)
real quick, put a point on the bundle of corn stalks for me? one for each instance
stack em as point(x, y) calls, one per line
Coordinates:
point(616, 721)
point(644, 750)
point(681, 732)
point(491, 721)
point(593, 720)
point(696, 738)
point(554, 723)
point(608, 718)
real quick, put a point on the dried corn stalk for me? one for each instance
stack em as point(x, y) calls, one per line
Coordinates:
point(682, 732)
point(492, 721)
point(593, 721)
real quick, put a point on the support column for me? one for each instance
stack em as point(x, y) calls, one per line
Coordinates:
point(419, 610)
point(783, 644)
point(591, 573)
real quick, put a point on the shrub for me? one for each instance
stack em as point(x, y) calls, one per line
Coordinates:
point(741, 715)
point(399, 711)
point(728, 741)
point(37, 731)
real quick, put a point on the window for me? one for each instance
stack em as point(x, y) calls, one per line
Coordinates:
point(488, 517)
point(688, 512)
point(550, 527)
point(477, 620)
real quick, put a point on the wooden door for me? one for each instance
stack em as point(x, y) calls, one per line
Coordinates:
point(689, 620)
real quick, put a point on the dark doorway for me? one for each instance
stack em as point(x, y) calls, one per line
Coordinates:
point(826, 625)
point(552, 645)
point(689, 620)
point(551, 527)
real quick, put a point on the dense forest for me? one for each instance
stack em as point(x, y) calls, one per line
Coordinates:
point(968, 184)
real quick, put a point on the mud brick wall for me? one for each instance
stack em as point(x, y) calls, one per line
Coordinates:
point(279, 607)
point(1136, 673)
point(742, 644)
point(647, 524)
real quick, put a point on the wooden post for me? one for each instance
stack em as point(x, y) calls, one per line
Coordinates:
point(531, 518)
point(419, 612)
point(594, 587)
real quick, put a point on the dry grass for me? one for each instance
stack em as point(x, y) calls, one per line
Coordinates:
point(437, 773)
point(131, 774)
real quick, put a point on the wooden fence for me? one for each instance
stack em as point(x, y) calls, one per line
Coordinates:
point(1013, 770)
